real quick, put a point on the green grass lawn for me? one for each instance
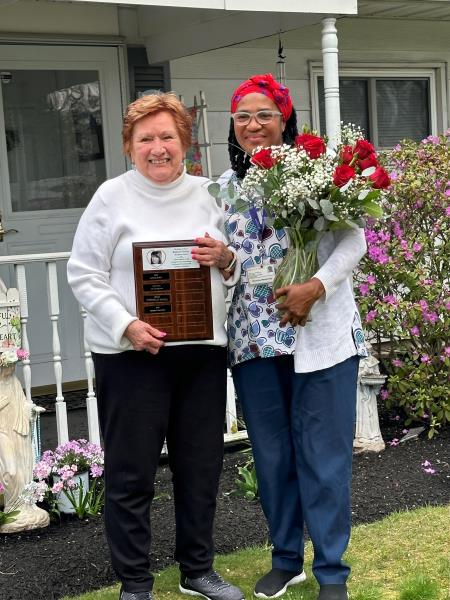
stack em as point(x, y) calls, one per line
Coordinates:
point(406, 556)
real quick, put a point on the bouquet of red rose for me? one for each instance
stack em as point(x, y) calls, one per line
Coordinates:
point(309, 190)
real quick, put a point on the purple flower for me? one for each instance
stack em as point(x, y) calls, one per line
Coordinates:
point(447, 210)
point(384, 394)
point(417, 247)
point(423, 304)
point(371, 315)
point(2, 488)
point(425, 359)
point(371, 279)
point(390, 299)
point(397, 362)
point(447, 350)
point(364, 289)
point(394, 442)
point(427, 467)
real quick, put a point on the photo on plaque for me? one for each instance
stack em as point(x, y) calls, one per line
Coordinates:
point(173, 292)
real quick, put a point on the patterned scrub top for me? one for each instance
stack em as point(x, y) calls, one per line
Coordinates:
point(254, 329)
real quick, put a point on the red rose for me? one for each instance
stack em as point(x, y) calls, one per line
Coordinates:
point(380, 179)
point(370, 161)
point(364, 148)
point(347, 155)
point(342, 175)
point(263, 159)
point(313, 145)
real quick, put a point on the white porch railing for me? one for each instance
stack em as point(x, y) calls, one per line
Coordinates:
point(51, 260)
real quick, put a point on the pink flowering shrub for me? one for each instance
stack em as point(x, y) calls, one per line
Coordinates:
point(403, 287)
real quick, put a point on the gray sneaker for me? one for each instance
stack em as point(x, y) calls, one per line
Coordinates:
point(210, 586)
point(135, 595)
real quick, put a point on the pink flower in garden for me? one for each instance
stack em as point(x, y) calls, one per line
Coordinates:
point(384, 237)
point(384, 394)
point(390, 299)
point(425, 359)
point(371, 315)
point(371, 279)
point(417, 247)
point(371, 236)
point(414, 330)
point(404, 244)
point(447, 210)
point(2, 488)
point(364, 289)
point(398, 231)
point(397, 362)
point(408, 255)
point(430, 317)
point(57, 487)
point(447, 306)
point(394, 442)
point(447, 350)
point(96, 471)
point(405, 431)
point(427, 467)
point(423, 304)
point(22, 354)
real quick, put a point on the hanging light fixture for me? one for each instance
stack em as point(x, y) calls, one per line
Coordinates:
point(281, 65)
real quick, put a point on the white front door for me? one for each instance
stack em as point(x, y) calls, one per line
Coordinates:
point(60, 137)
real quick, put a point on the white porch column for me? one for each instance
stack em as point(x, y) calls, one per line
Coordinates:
point(331, 81)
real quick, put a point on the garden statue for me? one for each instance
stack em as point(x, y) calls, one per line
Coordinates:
point(17, 423)
point(368, 435)
point(16, 453)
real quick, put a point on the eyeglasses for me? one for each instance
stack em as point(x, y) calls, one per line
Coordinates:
point(263, 117)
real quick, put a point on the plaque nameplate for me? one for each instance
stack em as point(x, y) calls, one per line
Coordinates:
point(173, 292)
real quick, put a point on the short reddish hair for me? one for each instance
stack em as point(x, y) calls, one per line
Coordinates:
point(152, 104)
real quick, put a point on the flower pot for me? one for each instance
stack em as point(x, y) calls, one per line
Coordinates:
point(63, 502)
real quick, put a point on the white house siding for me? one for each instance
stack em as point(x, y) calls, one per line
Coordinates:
point(363, 41)
point(59, 18)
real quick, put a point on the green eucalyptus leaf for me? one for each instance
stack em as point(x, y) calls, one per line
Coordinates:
point(367, 172)
point(214, 189)
point(241, 205)
point(319, 224)
point(326, 206)
point(313, 203)
point(331, 217)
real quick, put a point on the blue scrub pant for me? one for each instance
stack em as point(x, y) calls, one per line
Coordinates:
point(301, 427)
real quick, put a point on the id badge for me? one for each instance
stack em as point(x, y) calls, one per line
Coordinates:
point(261, 274)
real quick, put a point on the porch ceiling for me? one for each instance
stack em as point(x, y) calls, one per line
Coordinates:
point(430, 10)
point(173, 33)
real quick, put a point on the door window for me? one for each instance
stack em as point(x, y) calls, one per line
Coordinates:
point(54, 138)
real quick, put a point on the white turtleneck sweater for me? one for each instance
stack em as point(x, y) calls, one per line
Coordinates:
point(127, 209)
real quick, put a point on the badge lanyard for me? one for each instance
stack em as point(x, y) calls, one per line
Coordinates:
point(262, 273)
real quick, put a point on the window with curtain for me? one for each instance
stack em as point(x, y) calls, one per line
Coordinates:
point(387, 109)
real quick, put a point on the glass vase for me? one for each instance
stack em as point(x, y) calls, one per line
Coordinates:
point(300, 261)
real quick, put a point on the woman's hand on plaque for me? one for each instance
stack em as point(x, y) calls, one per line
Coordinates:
point(144, 337)
point(211, 252)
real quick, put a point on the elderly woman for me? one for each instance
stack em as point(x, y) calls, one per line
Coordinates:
point(149, 390)
point(297, 387)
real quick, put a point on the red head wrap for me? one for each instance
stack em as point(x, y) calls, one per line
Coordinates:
point(264, 84)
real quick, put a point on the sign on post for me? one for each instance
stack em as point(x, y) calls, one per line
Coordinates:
point(10, 334)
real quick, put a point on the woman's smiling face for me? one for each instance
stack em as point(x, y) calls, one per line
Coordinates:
point(254, 134)
point(156, 148)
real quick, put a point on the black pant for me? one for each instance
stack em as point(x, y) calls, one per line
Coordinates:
point(180, 395)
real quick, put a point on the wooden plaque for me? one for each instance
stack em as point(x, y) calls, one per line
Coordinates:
point(173, 292)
